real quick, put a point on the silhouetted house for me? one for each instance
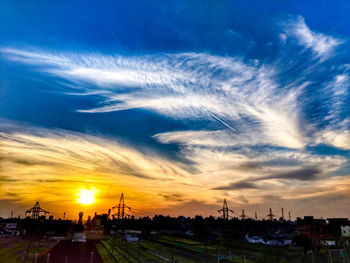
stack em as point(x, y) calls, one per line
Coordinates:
point(345, 231)
point(12, 229)
point(314, 229)
point(335, 226)
point(340, 228)
point(323, 232)
point(98, 221)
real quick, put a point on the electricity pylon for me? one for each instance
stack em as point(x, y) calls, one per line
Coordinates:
point(271, 215)
point(225, 210)
point(243, 216)
point(121, 208)
point(36, 210)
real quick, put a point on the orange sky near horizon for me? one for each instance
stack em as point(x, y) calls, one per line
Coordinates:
point(52, 166)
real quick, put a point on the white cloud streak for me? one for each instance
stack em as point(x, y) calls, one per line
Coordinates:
point(321, 45)
point(185, 86)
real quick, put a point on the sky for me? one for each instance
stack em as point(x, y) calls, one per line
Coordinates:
point(176, 104)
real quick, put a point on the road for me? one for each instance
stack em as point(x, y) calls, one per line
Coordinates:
point(67, 251)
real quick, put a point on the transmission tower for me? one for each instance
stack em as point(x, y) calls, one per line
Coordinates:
point(121, 208)
point(225, 210)
point(35, 211)
point(271, 215)
point(243, 216)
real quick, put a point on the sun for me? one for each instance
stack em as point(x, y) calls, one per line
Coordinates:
point(86, 196)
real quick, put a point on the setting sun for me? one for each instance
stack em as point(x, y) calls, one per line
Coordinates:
point(86, 196)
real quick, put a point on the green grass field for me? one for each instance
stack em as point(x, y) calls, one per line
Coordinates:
point(161, 248)
point(231, 251)
point(122, 251)
point(13, 250)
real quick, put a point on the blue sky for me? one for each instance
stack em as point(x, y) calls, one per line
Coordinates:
point(179, 103)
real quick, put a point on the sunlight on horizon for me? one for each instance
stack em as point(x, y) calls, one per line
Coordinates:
point(86, 196)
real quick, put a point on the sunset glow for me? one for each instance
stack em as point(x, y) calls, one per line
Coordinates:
point(86, 196)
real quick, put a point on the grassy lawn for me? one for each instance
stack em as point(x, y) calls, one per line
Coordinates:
point(208, 250)
point(10, 252)
point(13, 249)
point(176, 253)
point(237, 249)
point(126, 252)
point(178, 250)
point(104, 253)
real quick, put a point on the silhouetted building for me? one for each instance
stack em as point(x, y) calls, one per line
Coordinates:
point(335, 224)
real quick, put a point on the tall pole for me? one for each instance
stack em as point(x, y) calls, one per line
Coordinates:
point(289, 216)
point(256, 216)
point(282, 214)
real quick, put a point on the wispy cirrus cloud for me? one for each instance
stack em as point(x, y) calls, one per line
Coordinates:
point(321, 44)
point(184, 86)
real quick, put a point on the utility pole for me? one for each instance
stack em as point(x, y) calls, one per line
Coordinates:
point(289, 216)
point(256, 216)
point(282, 214)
